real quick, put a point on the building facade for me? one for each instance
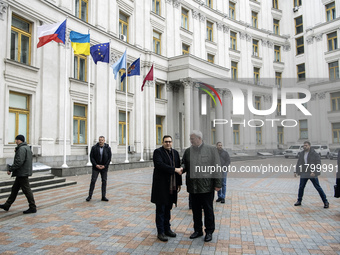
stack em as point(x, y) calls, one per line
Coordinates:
point(256, 46)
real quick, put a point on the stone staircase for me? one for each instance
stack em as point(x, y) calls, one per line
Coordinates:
point(39, 181)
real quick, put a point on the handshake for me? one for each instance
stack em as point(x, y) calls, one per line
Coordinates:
point(179, 170)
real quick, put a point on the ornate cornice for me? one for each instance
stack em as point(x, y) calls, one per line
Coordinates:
point(219, 26)
point(202, 17)
point(195, 14)
point(177, 3)
point(248, 37)
point(310, 40)
point(3, 9)
point(225, 29)
point(270, 44)
point(187, 82)
point(322, 95)
point(318, 37)
point(264, 42)
point(242, 35)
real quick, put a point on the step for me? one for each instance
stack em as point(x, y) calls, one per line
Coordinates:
point(33, 178)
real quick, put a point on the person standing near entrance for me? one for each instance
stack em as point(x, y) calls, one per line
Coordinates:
point(225, 161)
point(100, 158)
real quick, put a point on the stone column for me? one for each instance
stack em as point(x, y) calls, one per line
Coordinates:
point(188, 84)
point(196, 99)
point(228, 140)
point(219, 115)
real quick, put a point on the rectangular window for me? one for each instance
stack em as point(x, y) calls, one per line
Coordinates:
point(123, 128)
point(159, 129)
point(297, 2)
point(185, 49)
point(278, 79)
point(80, 67)
point(256, 75)
point(124, 26)
point(258, 103)
point(232, 10)
point(79, 124)
point(21, 32)
point(185, 19)
point(277, 53)
point(254, 19)
point(303, 129)
point(82, 9)
point(156, 6)
point(335, 101)
point(233, 70)
point(301, 73)
point(124, 84)
point(332, 39)
point(213, 134)
point(298, 25)
point(258, 135)
point(330, 11)
point(276, 4)
point(276, 26)
point(255, 48)
point(156, 42)
point(209, 3)
point(211, 58)
point(158, 91)
point(236, 133)
point(333, 70)
point(300, 47)
point(19, 113)
point(210, 31)
point(280, 135)
point(233, 40)
point(278, 108)
point(336, 132)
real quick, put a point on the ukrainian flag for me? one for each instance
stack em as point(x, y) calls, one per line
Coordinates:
point(80, 43)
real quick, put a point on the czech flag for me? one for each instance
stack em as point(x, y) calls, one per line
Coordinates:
point(52, 32)
point(80, 43)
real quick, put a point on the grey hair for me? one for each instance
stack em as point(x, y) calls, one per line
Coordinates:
point(197, 133)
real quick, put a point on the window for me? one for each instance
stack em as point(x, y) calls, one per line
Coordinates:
point(254, 19)
point(210, 31)
point(332, 39)
point(213, 134)
point(257, 103)
point(123, 128)
point(236, 133)
point(185, 19)
point(211, 58)
point(185, 49)
point(330, 11)
point(280, 135)
point(298, 25)
point(333, 70)
point(255, 48)
point(301, 73)
point(124, 25)
point(276, 4)
point(278, 108)
point(300, 47)
point(336, 132)
point(124, 83)
point(297, 2)
point(209, 3)
point(276, 26)
point(82, 9)
point(21, 32)
point(233, 70)
point(158, 91)
point(156, 6)
point(303, 129)
point(159, 129)
point(258, 135)
point(19, 113)
point(278, 79)
point(231, 10)
point(335, 101)
point(79, 124)
point(80, 67)
point(277, 53)
point(233, 40)
point(256, 75)
point(156, 42)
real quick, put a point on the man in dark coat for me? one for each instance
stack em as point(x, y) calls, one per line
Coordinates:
point(100, 158)
point(308, 167)
point(21, 169)
point(166, 184)
point(225, 162)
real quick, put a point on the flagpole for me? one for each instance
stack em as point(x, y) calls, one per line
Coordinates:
point(88, 109)
point(141, 115)
point(109, 119)
point(65, 101)
point(126, 111)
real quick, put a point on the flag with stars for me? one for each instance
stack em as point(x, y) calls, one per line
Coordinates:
point(100, 52)
point(134, 69)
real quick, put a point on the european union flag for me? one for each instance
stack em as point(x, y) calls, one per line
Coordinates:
point(100, 52)
point(134, 69)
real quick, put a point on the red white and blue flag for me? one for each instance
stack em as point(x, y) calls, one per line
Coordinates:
point(51, 32)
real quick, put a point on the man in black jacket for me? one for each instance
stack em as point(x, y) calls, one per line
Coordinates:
point(166, 183)
point(308, 167)
point(21, 169)
point(100, 158)
point(225, 162)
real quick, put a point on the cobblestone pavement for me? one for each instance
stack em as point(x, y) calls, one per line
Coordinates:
point(257, 218)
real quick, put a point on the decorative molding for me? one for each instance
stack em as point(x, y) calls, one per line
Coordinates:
point(286, 47)
point(313, 96)
point(226, 93)
point(176, 88)
point(270, 44)
point(177, 3)
point(202, 17)
point(310, 40)
point(169, 87)
point(242, 35)
point(195, 14)
point(168, 1)
point(187, 82)
point(225, 29)
point(113, 57)
point(267, 98)
point(3, 9)
point(322, 95)
point(219, 26)
point(264, 42)
point(318, 37)
point(248, 37)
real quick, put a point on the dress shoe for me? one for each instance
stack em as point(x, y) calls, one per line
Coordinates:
point(170, 233)
point(297, 203)
point(196, 234)
point(326, 205)
point(223, 201)
point(162, 237)
point(30, 210)
point(3, 206)
point(219, 199)
point(88, 198)
point(105, 199)
point(208, 237)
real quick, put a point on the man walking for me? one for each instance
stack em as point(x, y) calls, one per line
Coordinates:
point(307, 167)
point(21, 169)
point(100, 158)
point(225, 162)
point(201, 186)
point(166, 184)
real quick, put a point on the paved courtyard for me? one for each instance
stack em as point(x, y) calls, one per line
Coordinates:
point(257, 218)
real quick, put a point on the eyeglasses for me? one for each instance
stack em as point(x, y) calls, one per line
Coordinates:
point(167, 141)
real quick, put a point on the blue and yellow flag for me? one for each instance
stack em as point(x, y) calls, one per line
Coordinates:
point(80, 43)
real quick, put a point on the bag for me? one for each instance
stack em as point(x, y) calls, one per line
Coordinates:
point(336, 191)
